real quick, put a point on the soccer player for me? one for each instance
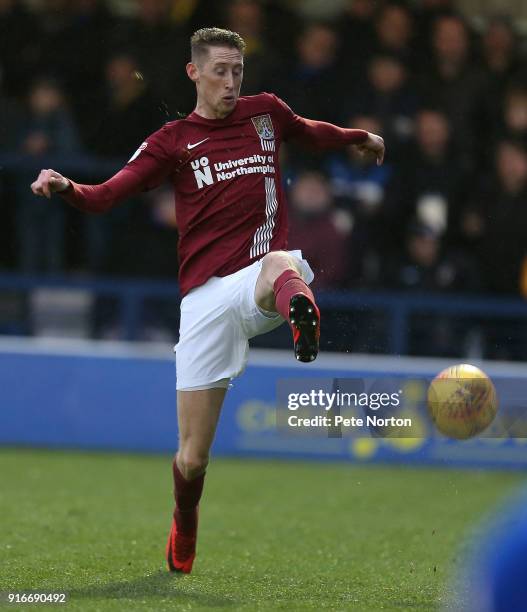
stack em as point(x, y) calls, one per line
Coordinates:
point(236, 278)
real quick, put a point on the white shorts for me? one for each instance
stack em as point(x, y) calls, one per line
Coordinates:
point(217, 320)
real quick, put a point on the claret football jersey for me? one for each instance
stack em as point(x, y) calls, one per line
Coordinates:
point(229, 200)
point(230, 206)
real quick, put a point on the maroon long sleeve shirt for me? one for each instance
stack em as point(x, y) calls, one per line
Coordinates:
point(231, 207)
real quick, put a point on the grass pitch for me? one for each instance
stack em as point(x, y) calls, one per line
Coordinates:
point(273, 535)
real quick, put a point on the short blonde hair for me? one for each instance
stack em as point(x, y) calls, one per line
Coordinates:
point(202, 39)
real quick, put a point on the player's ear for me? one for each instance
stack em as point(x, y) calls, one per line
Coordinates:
point(192, 71)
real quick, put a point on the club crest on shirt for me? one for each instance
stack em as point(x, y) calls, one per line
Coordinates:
point(263, 126)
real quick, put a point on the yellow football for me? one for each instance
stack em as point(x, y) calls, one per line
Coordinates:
point(462, 401)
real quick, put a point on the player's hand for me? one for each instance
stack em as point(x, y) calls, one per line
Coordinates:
point(49, 182)
point(373, 146)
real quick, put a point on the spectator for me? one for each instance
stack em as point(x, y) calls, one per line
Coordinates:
point(9, 122)
point(159, 48)
point(131, 112)
point(357, 33)
point(19, 51)
point(433, 182)
point(247, 18)
point(9, 119)
point(47, 129)
point(501, 65)
point(144, 249)
point(319, 229)
point(147, 249)
point(87, 41)
point(286, 23)
point(426, 265)
point(394, 29)
point(357, 179)
point(128, 110)
point(388, 96)
point(494, 224)
point(426, 14)
point(54, 25)
point(500, 50)
point(362, 188)
point(189, 16)
point(515, 113)
point(310, 82)
point(452, 82)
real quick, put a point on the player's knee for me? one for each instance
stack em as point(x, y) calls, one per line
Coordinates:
point(192, 464)
point(276, 262)
point(276, 259)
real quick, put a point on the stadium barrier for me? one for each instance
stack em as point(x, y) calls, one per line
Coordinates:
point(121, 396)
point(397, 308)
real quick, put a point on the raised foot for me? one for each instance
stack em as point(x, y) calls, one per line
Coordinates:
point(305, 321)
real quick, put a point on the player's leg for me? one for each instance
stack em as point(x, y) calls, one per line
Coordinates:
point(198, 414)
point(281, 288)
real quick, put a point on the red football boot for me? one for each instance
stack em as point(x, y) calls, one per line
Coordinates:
point(304, 316)
point(181, 549)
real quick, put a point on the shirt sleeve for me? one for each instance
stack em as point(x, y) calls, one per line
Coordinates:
point(317, 134)
point(150, 165)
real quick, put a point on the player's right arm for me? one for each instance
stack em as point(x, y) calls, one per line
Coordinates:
point(90, 198)
point(151, 164)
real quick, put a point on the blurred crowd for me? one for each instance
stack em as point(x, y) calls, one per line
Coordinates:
point(446, 212)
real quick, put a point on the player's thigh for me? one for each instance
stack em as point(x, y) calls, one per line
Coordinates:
point(211, 346)
point(198, 413)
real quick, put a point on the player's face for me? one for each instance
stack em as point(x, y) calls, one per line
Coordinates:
point(218, 80)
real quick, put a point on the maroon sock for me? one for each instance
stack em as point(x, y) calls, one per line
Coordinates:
point(289, 283)
point(187, 494)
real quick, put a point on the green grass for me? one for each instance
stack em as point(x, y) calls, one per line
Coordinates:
point(273, 535)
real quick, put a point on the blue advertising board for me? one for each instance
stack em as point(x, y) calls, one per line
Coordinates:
point(122, 397)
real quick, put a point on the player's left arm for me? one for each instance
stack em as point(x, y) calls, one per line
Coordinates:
point(323, 135)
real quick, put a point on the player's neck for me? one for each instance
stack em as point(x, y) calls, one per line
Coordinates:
point(207, 112)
